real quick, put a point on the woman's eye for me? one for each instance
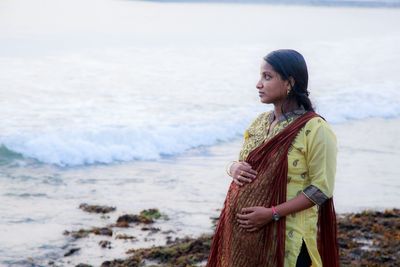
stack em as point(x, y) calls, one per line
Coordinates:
point(267, 77)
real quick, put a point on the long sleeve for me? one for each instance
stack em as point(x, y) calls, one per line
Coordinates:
point(321, 160)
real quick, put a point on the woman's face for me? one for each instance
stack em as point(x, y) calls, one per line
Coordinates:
point(271, 88)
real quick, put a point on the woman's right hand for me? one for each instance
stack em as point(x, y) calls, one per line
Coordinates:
point(242, 173)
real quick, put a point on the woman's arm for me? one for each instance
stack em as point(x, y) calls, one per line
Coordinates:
point(253, 218)
point(321, 162)
point(299, 203)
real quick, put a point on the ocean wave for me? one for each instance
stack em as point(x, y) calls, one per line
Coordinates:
point(352, 103)
point(76, 146)
point(104, 146)
point(7, 155)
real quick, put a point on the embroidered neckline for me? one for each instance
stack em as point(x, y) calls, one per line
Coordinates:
point(290, 114)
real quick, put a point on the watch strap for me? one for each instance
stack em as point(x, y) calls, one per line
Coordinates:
point(275, 214)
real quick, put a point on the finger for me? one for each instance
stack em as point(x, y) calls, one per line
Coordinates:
point(238, 171)
point(246, 168)
point(243, 179)
point(241, 173)
point(250, 169)
point(244, 222)
point(254, 171)
point(246, 226)
point(245, 173)
point(241, 170)
point(247, 210)
point(248, 175)
point(237, 182)
point(243, 216)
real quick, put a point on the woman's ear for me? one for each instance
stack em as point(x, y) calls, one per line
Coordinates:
point(291, 81)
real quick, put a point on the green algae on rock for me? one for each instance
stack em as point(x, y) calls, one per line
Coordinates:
point(96, 208)
point(370, 238)
point(130, 262)
point(85, 232)
point(151, 214)
point(182, 253)
point(126, 237)
point(186, 252)
point(83, 265)
point(146, 216)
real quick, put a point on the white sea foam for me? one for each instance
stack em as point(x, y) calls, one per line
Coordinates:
point(152, 140)
point(115, 144)
point(352, 103)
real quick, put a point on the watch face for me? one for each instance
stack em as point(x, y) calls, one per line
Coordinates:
point(275, 216)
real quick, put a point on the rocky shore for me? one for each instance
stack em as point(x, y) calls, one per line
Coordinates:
point(368, 238)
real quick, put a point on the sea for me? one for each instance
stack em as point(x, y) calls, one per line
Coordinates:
point(141, 104)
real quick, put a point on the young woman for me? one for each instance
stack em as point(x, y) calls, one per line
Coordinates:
point(279, 209)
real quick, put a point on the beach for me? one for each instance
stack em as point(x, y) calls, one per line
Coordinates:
point(173, 186)
point(140, 105)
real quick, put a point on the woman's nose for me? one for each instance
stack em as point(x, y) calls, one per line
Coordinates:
point(259, 85)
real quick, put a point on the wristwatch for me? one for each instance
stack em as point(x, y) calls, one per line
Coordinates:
point(275, 214)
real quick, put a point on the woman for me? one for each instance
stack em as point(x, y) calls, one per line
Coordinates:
point(279, 208)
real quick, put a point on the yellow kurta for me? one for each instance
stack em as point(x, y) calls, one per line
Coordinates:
point(311, 171)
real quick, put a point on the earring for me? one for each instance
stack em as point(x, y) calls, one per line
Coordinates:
point(288, 91)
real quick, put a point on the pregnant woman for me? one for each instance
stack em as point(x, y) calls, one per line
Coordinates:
point(279, 209)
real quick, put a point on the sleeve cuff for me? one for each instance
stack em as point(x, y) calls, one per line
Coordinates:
point(315, 195)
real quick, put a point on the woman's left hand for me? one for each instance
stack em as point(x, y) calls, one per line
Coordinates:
point(254, 218)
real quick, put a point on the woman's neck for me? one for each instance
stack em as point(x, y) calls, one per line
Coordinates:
point(288, 106)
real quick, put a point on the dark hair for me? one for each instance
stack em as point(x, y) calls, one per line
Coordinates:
point(290, 63)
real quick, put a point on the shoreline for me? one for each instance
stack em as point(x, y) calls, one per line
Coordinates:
point(367, 238)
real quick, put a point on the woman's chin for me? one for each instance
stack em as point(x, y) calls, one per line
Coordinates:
point(265, 101)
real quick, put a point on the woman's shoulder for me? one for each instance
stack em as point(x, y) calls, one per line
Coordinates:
point(257, 125)
point(318, 127)
point(317, 122)
point(261, 117)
